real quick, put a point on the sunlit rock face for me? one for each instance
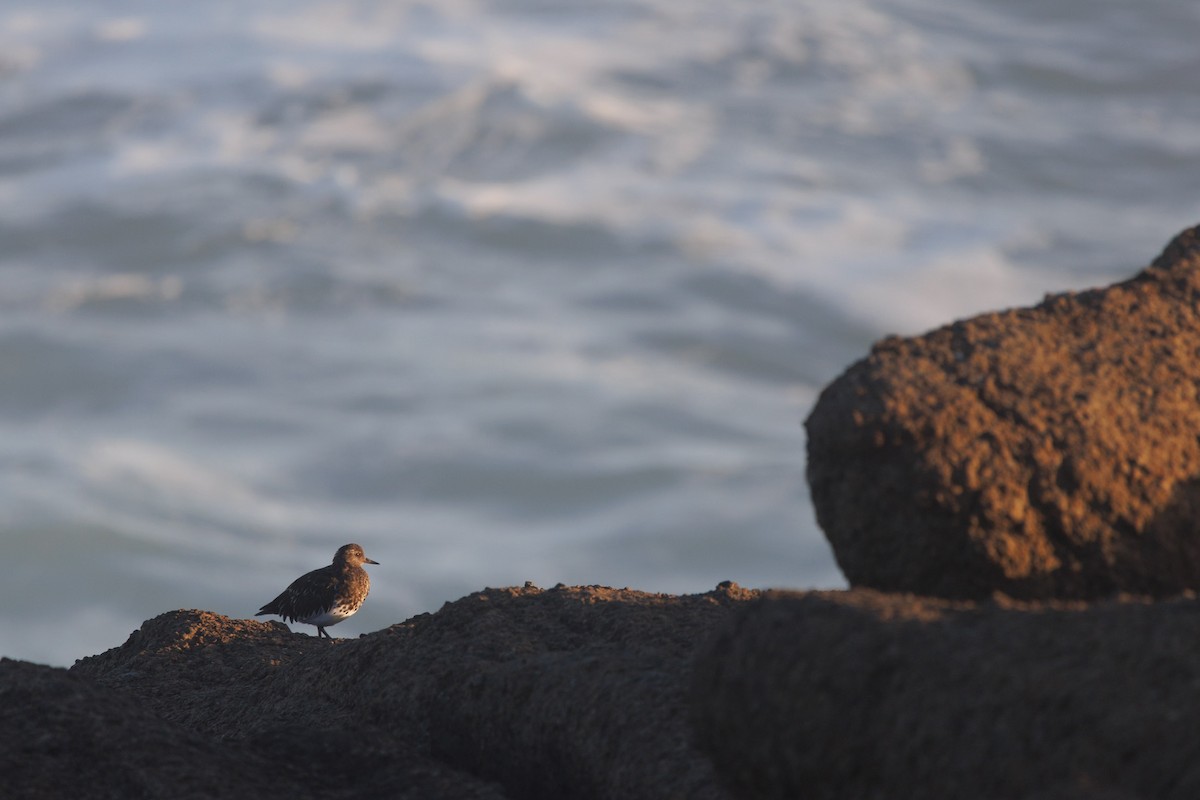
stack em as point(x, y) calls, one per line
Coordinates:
point(1051, 451)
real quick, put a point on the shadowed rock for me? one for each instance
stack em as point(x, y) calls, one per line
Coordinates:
point(62, 735)
point(593, 693)
point(863, 695)
point(1051, 451)
point(568, 692)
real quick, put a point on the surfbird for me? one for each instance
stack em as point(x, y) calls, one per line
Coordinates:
point(325, 596)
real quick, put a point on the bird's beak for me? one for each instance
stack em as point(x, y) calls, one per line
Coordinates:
point(372, 561)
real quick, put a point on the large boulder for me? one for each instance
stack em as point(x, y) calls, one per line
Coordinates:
point(1051, 451)
point(847, 695)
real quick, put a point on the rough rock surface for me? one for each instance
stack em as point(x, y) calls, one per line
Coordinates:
point(863, 695)
point(1043, 452)
point(600, 693)
point(64, 736)
point(530, 693)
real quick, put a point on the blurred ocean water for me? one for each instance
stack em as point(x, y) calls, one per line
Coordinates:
point(512, 291)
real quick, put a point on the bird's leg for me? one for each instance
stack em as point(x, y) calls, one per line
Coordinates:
point(321, 632)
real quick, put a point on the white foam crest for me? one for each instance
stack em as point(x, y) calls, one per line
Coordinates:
point(121, 29)
point(132, 467)
point(959, 158)
point(351, 128)
point(960, 283)
point(363, 26)
point(289, 75)
point(18, 57)
point(237, 136)
point(28, 23)
point(583, 60)
point(518, 55)
point(349, 25)
point(23, 38)
point(79, 291)
point(142, 156)
point(549, 199)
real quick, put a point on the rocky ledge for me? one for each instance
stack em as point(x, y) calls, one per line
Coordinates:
point(586, 692)
point(506, 693)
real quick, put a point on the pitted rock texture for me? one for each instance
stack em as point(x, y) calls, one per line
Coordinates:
point(848, 695)
point(62, 735)
point(517, 693)
point(1045, 452)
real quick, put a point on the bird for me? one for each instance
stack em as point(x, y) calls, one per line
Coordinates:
point(325, 596)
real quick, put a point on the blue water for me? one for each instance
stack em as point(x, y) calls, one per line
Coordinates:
point(512, 291)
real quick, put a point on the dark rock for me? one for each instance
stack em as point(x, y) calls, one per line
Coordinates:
point(863, 695)
point(570, 692)
point(62, 735)
point(1051, 451)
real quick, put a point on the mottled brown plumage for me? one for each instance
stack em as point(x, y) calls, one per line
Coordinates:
point(325, 596)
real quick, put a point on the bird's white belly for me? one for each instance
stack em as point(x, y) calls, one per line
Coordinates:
point(330, 617)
